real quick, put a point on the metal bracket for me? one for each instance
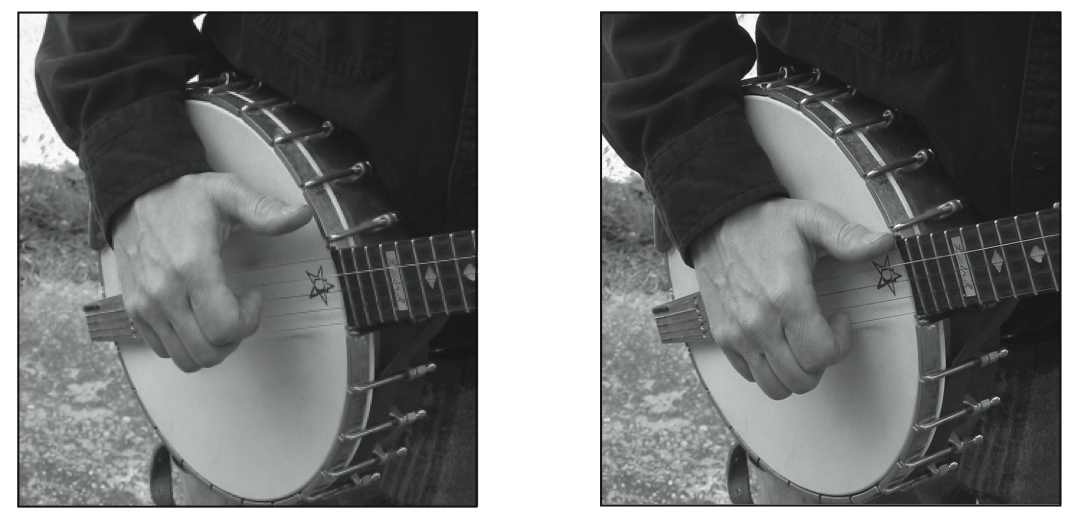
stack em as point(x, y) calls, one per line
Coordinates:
point(915, 162)
point(940, 211)
point(322, 131)
point(355, 172)
point(407, 375)
point(371, 225)
point(885, 120)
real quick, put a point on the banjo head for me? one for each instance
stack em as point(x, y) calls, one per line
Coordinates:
point(844, 437)
point(264, 422)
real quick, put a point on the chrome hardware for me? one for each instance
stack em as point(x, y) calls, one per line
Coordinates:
point(229, 86)
point(830, 95)
point(884, 120)
point(217, 80)
point(956, 446)
point(380, 457)
point(780, 74)
point(354, 173)
point(356, 484)
point(396, 419)
point(1056, 205)
point(407, 375)
point(937, 212)
point(269, 104)
point(972, 408)
point(932, 473)
point(323, 130)
point(979, 361)
point(378, 223)
point(915, 162)
point(802, 79)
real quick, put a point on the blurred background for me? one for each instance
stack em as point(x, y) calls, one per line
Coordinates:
point(83, 439)
point(662, 440)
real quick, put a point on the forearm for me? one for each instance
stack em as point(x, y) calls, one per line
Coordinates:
point(112, 84)
point(672, 109)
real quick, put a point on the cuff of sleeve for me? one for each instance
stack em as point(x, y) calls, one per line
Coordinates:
point(136, 149)
point(708, 173)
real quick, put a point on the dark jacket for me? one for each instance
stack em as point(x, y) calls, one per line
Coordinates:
point(986, 88)
point(404, 84)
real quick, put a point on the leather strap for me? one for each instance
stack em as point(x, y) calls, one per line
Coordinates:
point(161, 488)
point(738, 477)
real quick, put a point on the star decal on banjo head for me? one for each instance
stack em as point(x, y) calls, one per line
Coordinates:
point(887, 276)
point(319, 286)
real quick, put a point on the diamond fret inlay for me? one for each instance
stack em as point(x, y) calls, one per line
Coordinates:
point(1036, 254)
point(997, 261)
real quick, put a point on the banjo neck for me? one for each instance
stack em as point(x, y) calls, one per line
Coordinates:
point(1007, 258)
point(408, 280)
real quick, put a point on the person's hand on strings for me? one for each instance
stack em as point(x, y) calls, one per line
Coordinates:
point(755, 269)
point(168, 251)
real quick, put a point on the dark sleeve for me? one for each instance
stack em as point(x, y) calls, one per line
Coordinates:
point(112, 84)
point(671, 107)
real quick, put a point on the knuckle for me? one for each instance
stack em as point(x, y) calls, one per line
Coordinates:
point(161, 286)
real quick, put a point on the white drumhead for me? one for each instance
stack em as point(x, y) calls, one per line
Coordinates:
point(842, 437)
point(260, 424)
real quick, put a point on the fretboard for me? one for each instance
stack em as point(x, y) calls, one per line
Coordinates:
point(1007, 258)
point(408, 280)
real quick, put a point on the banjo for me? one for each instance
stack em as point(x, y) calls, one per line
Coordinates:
point(324, 395)
point(891, 415)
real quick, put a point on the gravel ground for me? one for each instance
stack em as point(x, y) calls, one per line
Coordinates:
point(83, 439)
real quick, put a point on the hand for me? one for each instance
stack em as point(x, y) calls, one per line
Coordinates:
point(168, 252)
point(755, 269)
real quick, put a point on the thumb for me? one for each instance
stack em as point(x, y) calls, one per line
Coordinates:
point(843, 333)
point(259, 212)
point(844, 240)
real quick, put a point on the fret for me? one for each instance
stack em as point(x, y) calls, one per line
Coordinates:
point(358, 277)
point(1049, 250)
point(398, 300)
point(980, 267)
point(958, 249)
point(351, 288)
point(465, 243)
point(1008, 267)
point(419, 277)
point(432, 283)
point(1036, 255)
point(457, 269)
point(995, 260)
point(412, 282)
point(943, 277)
point(452, 294)
point(924, 279)
point(916, 285)
point(371, 277)
point(934, 279)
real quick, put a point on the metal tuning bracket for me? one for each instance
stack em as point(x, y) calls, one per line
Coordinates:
point(379, 457)
point(971, 408)
point(885, 120)
point(803, 79)
point(829, 95)
point(371, 225)
point(408, 375)
point(210, 82)
point(915, 162)
point(979, 361)
point(956, 447)
point(355, 483)
point(932, 472)
point(940, 211)
point(782, 73)
point(269, 104)
point(321, 131)
point(355, 172)
point(397, 419)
